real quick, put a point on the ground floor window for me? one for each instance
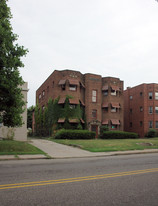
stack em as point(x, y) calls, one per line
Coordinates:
point(113, 126)
point(72, 106)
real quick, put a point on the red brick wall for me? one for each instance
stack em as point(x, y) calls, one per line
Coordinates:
point(55, 90)
point(91, 82)
point(138, 101)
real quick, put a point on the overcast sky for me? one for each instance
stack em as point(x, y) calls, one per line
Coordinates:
point(117, 38)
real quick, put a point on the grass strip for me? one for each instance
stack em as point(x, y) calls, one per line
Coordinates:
point(99, 145)
point(12, 147)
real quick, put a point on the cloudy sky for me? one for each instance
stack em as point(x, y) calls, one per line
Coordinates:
point(116, 38)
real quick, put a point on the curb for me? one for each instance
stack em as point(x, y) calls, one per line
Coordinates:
point(22, 157)
point(106, 154)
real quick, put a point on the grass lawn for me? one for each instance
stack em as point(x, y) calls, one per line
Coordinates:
point(99, 145)
point(11, 147)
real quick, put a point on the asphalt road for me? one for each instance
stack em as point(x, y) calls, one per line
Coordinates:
point(130, 180)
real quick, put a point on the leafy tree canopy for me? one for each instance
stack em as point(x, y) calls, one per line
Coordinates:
point(11, 98)
point(29, 116)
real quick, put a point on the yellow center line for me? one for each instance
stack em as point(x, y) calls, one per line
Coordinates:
point(77, 179)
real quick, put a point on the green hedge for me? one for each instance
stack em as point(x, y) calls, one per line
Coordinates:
point(118, 135)
point(74, 134)
point(152, 133)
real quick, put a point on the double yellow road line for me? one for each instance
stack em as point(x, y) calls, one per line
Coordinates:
point(77, 179)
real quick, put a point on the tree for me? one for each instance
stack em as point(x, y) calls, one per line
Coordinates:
point(29, 116)
point(11, 98)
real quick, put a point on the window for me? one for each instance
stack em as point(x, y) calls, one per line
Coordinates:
point(156, 95)
point(94, 113)
point(105, 93)
point(141, 123)
point(130, 124)
point(39, 96)
point(105, 109)
point(113, 126)
point(150, 95)
point(113, 92)
point(150, 124)
point(150, 110)
point(43, 93)
point(156, 110)
point(63, 87)
point(141, 94)
point(130, 97)
point(141, 109)
point(130, 111)
point(94, 96)
point(156, 124)
point(72, 87)
point(72, 106)
point(113, 109)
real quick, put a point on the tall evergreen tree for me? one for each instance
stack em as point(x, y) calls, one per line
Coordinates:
point(11, 98)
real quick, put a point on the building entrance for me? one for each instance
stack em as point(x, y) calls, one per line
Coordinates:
point(94, 128)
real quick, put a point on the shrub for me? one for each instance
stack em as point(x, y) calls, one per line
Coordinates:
point(152, 133)
point(74, 134)
point(118, 135)
point(103, 129)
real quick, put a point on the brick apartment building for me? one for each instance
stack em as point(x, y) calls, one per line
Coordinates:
point(141, 108)
point(102, 97)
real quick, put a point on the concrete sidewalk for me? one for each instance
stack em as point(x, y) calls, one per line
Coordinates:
point(55, 150)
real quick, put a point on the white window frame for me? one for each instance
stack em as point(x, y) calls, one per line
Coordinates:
point(156, 95)
point(94, 95)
